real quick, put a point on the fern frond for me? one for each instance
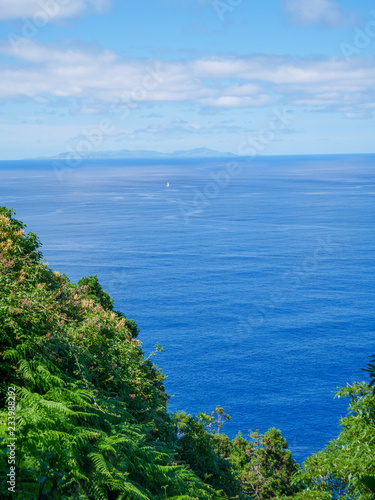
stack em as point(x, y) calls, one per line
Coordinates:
point(100, 463)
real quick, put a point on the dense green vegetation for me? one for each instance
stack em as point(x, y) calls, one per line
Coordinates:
point(91, 410)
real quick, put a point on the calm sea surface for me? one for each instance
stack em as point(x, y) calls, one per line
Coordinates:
point(256, 278)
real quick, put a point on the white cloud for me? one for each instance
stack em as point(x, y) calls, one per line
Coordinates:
point(100, 81)
point(310, 12)
point(50, 10)
point(233, 101)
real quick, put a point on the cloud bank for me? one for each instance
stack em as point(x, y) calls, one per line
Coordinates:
point(101, 80)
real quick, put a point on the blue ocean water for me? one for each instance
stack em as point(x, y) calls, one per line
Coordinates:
point(257, 277)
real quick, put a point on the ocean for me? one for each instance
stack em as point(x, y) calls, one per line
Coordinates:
point(257, 277)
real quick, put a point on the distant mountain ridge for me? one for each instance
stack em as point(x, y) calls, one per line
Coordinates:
point(126, 153)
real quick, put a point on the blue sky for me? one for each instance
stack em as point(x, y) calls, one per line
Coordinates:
point(274, 77)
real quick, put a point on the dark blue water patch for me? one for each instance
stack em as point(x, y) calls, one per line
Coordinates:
point(262, 298)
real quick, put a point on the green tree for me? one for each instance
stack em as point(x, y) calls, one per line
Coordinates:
point(216, 418)
point(237, 453)
point(93, 290)
point(345, 468)
point(270, 466)
point(370, 368)
point(196, 447)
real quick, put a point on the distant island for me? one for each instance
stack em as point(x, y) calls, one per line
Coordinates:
point(126, 153)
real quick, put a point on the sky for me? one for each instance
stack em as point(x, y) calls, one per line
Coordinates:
point(240, 76)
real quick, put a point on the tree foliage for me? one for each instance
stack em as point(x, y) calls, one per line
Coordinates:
point(370, 368)
point(263, 464)
point(197, 448)
point(345, 468)
point(215, 421)
point(91, 409)
point(270, 466)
